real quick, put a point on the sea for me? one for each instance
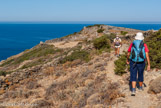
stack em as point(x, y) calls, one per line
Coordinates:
point(17, 37)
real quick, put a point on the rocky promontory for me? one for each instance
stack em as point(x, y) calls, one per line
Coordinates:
point(77, 71)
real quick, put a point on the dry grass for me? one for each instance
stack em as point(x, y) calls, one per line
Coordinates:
point(32, 85)
point(42, 103)
point(19, 94)
point(49, 71)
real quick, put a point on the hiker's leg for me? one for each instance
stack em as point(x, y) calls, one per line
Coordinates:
point(133, 84)
point(115, 51)
point(118, 50)
point(141, 68)
point(140, 84)
point(133, 73)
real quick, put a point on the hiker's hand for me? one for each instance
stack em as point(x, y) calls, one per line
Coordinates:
point(148, 68)
point(127, 61)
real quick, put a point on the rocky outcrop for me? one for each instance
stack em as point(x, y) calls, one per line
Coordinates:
point(155, 86)
point(91, 32)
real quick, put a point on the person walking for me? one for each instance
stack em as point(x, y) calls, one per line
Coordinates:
point(117, 45)
point(138, 53)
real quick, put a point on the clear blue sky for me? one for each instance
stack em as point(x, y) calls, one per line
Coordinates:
point(80, 10)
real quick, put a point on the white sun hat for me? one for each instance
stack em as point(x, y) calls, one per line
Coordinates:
point(139, 36)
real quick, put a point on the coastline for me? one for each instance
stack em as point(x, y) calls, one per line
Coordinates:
point(59, 39)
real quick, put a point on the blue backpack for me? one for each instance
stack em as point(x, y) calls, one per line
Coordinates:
point(138, 51)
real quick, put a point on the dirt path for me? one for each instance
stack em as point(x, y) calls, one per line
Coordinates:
point(64, 44)
point(142, 99)
point(111, 66)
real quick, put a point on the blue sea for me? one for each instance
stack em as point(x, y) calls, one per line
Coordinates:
point(15, 38)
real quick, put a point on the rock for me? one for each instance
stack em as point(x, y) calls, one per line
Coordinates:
point(90, 63)
point(155, 86)
point(2, 91)
point(41, 42)
point(94, 99)
point(106, 55)
point(98, 65)
point(76, 62)
point(159, 96)
point(159, 105)
point(89, 82)
point(41, 103)
point(102, 68)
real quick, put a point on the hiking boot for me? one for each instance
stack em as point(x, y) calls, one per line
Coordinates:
point(133, 92)
point(141, 88)
point(117, 55)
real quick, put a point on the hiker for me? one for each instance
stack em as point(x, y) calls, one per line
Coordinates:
point(117, 45)
point(138, 53)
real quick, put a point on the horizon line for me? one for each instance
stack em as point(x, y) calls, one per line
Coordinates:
point(84, 22)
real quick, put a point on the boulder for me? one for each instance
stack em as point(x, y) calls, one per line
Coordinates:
point(159, 105)
point(155, 86)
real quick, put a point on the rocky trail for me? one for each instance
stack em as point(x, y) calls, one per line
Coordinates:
point(142, 99)
point(64, 44)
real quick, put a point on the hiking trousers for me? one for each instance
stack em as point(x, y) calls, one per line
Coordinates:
point(137, 69)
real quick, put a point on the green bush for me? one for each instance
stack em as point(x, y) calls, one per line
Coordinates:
point(111, 37)
point(120, 65)
point(154, 44)
point(7, 62)
point(123, 33)
point(100, 30)
point(102, 43)
point(3, 73)
point(98, 25)
point(80, 54)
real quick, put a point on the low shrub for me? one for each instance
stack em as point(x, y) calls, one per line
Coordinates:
point(98, 25)
point(102, 43)
point(100, 30)
point(111, 94)
point(154, 44)
point(79, 54)
point(123, 33)
point(7, 62)
point(37, 52)
point(35, 63)
point(110, 36)
point(32, 85)
point(120, 65)
point(3, 73)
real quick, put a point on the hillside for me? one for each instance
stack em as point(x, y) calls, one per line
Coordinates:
point(78, 71)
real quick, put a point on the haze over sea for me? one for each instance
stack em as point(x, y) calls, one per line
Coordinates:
point(16, 37)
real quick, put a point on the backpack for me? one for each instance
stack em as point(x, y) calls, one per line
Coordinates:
point(138, 51)
point(117, 42)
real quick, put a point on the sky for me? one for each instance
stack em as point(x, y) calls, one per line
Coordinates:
point(80, 10)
